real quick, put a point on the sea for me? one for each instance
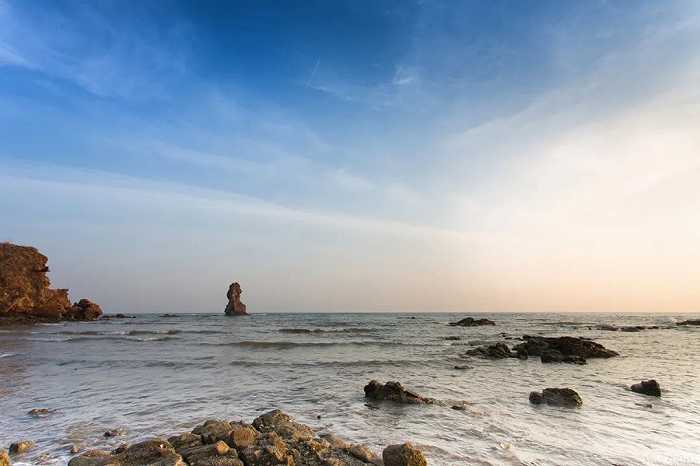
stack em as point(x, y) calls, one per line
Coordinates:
point(159, 375)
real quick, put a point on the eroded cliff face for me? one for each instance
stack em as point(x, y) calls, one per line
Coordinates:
point(25, 292)
point(235, 307)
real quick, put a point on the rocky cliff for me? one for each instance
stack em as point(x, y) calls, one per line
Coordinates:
point(235, 307)
point(25, 294)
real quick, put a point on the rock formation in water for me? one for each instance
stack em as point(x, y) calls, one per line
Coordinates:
point(393, 391)
point(690, 322)
point(557, 397)
point(235, 307)
point(647, 387)
point(25, 295)
point(472, 322)
point(563, 349)
point(272, 439)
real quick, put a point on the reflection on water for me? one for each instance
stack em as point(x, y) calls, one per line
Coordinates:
point(154, 375)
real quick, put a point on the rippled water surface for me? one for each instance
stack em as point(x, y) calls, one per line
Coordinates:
point(161, 375)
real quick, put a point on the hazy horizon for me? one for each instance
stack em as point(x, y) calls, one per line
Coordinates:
point(384, 156)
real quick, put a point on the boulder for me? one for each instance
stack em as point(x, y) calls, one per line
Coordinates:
point(393, 391)
point(22, 446)
point(565, 397)
point(552, 355)
point(38, 412)
point(647, 387)
point(403, 455)
point(495, 351)
point(25, 293)
point(242, 435)
point(4, 458)
point(235, 307)
point(567, 346)
point(153, 452)
point(472, 322)
point(690, 322)
point(213, 430)
point(214, 454)
point(283, 425)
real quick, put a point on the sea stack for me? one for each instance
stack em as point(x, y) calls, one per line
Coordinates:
point(235, 307)
point(25, 293)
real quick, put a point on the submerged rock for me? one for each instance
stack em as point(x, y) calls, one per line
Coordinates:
point(495, 351)
point(403, 455)
point(235, 307)
point(552, 355)
point(472, 322)
point(647, 387)
point(25, 293)
point(38, 412)
point(22, 446)
point(690, 322)
point(393, 391)
point(565, 397)
point(573, 348)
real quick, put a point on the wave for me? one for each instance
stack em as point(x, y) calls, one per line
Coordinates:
point(7, 355)
point(302, 344)
point(320, 330)
point(358, 363)
point(116, 338)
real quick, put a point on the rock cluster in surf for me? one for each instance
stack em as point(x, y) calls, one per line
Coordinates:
point(25, 293)
point(272, 439)
point(235, 307)
point(472, 322)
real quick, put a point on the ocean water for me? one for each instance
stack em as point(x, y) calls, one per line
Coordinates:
point(162, 375)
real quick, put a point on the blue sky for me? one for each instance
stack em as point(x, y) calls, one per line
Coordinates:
point(339, 156)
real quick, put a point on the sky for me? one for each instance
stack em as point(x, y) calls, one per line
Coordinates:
point(462, 156)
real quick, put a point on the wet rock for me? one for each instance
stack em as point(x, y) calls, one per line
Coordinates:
point(25, 293)
point(552, 355)
point(74, 449)
point(453, 338)
point(153, 452)
point(403, 455)
point(690, 322)
point(215, 454)
point(117, 316)
point(282, 424)
point(393, 391)
point(186, 440)
point(22, 446)
point(114, 433)
point(495, 351)
point(235, 307)
point(472, 322)
point(565, 397)
point(567, 346)
point(120, 449)
point(38, 412)
point(4, 458)
point(462, 368)
point(213, 430)
point(242, 435)
point(269, 450)
point(647, 387)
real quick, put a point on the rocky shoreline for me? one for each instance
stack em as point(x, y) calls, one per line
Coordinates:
point(273, 438)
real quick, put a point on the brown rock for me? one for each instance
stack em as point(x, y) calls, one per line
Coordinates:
point(23, 446)
point(567, 346)
point(235, 307)
point(186, 440)
point(4, 458)
point(472, 322)
point(242, 435)
point(25, 293)
point(154, 452)
point(393, 391)
point(647, 387)
point(269, 450)
point(215, 454)
point(213, 430)
point(38, 412)
point(283, 425)
point(565, 397)
point(403, 455)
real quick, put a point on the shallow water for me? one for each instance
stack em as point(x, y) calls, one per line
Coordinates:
point(161, 375)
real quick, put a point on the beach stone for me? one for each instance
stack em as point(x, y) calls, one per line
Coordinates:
point(403, 455)
point(472, 322)
point(4, 458)
point(185, 440)
point(114, 433)
point(22, 446)
point(283, 425)
point(153, 452)
point(214, 454)
point(213, 430)
point(647, 387)
point(565, 397)
point(393, 391)
point(268, 450)
point(363, 453)
point(242, 435)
